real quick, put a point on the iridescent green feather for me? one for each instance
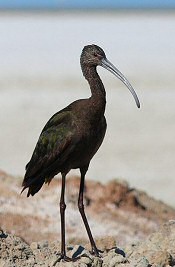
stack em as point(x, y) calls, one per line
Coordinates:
point(52, 142)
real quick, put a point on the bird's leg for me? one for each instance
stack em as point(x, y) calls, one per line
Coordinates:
point(62, 213)
point(62, 255)
point(81, 209)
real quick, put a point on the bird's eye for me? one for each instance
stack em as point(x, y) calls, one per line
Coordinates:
point(95, 54)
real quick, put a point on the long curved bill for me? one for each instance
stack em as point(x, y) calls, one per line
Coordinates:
point(105, 63)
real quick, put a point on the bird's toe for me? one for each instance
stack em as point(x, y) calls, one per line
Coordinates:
point(96, 252)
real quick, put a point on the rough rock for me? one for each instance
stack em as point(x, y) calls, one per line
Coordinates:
point(157, 250)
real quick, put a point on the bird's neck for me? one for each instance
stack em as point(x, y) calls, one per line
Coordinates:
point(98, 94)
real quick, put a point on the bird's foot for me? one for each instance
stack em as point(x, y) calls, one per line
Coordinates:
point(63, 257)
point(96, 252)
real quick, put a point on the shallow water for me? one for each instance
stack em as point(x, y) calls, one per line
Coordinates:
point(40, 74)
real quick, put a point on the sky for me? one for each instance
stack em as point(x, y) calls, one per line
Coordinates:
point(87, 4)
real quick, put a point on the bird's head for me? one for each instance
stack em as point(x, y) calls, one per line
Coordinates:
point(93, 55)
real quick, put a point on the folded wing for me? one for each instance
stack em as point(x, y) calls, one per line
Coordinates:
point(55, 143)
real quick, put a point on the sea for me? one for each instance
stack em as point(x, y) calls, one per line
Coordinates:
point(40, 74)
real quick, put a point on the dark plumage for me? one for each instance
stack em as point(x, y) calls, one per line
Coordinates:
point(72, 136)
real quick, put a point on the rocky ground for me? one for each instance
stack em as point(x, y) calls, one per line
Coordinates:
point(157, 250)
point(131, 228)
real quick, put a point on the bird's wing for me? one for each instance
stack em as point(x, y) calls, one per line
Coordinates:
point(56, 141)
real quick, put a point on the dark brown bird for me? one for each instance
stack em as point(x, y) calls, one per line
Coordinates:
point(72, 136)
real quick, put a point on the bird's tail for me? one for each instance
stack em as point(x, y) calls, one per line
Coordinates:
point(33, 186)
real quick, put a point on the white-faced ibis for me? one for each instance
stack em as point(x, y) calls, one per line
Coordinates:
point(72, 136)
